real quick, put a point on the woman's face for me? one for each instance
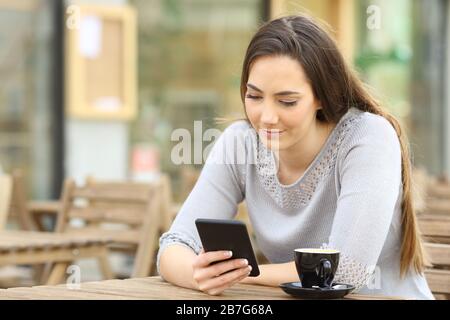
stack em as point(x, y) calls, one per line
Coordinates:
point(279, 101)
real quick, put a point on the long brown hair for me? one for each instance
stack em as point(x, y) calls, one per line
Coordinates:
point(338, 88)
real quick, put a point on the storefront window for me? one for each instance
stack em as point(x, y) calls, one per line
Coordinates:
point(26, 92)
point(385, 52)
point(402, 59)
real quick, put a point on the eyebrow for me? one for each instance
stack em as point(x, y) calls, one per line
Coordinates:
point(281, 93)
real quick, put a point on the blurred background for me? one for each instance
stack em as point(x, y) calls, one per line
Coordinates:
point(188, 59)
point(96, 88)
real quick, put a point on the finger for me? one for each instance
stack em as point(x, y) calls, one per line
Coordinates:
point(219, 268)
point(205, 259)
point(224, 279)
point(219, 290)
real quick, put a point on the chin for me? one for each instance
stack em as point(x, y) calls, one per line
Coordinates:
point(274, 145)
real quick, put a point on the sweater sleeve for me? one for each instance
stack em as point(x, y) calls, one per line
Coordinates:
point(370, 179)
point(216, 195)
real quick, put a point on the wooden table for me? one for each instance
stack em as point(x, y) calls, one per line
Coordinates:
point(152, 288)
point(28, 247)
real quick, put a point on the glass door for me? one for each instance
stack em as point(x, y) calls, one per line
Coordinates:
point(27, 54)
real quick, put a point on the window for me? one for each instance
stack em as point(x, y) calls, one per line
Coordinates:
point(27, 64)
point(190, 59)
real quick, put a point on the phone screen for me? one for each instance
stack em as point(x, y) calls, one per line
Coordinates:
point(217, 235)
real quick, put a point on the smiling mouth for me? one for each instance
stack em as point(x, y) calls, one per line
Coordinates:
point(271, 133)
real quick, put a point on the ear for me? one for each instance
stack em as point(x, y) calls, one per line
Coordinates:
point(319, 104)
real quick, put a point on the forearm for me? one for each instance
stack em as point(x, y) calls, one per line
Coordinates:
point(176, 266)
point(274, 274)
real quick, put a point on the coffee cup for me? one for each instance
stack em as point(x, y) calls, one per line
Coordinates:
point(316, 267)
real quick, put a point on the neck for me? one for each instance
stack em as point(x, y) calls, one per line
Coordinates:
point(299, 156)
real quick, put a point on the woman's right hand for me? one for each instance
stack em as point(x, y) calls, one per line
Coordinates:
point(214, 279)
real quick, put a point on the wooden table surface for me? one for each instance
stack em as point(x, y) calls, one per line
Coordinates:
point(151, 288)
point(31, 247)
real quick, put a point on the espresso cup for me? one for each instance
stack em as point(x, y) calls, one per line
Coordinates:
point(316, 267)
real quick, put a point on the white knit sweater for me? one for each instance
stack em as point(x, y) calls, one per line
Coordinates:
point(348, 199)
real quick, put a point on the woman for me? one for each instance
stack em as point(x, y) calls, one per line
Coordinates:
point(327, 167)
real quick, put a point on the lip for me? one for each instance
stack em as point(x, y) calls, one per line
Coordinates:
point(269, 133)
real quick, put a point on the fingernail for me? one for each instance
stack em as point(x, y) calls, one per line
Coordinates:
point(228, 254)
point(249, 268)
point(244, 262)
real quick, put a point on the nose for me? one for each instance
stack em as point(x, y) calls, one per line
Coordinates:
point(269, 115)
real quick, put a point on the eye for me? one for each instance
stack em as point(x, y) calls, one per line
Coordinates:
point(249, 96)
point(288, 103)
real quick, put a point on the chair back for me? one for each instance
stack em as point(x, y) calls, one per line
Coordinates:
point(106, 202)
point(18, 210)
point(5, 198)
point(126, 212)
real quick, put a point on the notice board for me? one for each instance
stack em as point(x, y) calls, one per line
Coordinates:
point(100, 62)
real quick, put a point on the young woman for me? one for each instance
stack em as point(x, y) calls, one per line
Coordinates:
point(327, 168)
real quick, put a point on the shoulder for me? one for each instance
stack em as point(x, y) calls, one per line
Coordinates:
point(371, 149)
point(377, 125)
point(374, 130)
point(371, 137)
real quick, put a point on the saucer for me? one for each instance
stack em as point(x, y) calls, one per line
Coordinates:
point(337, 290)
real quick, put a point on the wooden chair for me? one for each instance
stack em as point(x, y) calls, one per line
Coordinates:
point(19, 215)
point(434, 216)
point(9, 275)
point(24, 246)
point(438, 276)
point(5, 198)
point(19, 203)
point(434, 224)
point(435, 228)
point(134, 207)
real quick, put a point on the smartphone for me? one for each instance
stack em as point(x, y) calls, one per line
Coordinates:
point(218, 235)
